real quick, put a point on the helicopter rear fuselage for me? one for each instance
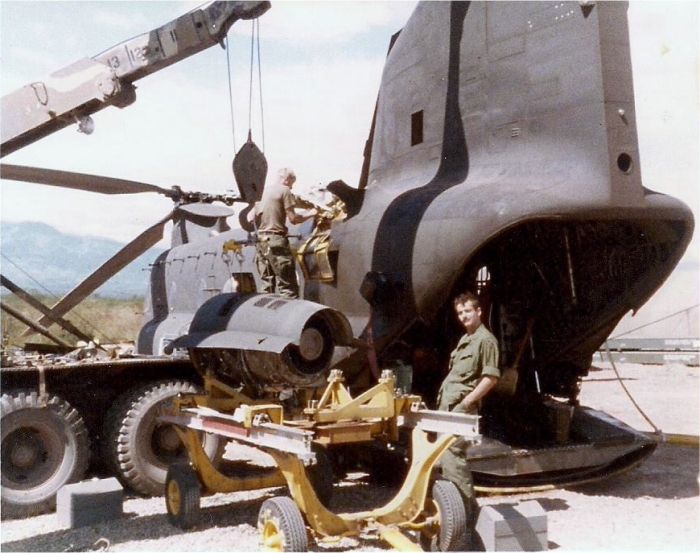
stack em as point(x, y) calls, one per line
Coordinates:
point(503, 160)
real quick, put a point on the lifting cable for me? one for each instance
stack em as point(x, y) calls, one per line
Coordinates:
point(254, 48)
point(230, 93)
point(255, 45)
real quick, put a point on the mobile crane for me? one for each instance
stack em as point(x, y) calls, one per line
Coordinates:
point(53, 410)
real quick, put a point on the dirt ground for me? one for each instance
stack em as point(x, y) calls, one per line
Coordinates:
point(652, 508)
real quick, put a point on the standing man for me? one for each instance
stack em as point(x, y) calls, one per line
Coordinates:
point(473, 372)
point(274, 258)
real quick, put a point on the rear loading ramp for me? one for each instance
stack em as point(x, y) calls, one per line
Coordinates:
point(598, 446)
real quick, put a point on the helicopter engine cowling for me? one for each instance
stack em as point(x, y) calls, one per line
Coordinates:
point(265, 341)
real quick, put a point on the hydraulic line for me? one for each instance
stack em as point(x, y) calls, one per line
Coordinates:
point(658, 434)
point(629, 395)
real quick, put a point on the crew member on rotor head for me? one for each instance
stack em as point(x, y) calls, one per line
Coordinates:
point(274, 258)
point(473, 372)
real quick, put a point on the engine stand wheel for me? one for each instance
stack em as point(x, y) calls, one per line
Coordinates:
point(182, 496)
point(452, 534)
point(281, 526)
point(45, 445)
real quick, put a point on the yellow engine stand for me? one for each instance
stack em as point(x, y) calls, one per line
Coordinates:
point(336, 417)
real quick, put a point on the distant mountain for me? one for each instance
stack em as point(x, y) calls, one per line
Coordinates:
point(37, 257)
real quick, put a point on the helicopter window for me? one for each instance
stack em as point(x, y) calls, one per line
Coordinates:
point(483, 278)
point(417, 128)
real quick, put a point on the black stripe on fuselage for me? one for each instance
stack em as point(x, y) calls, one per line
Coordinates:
point(395, 240)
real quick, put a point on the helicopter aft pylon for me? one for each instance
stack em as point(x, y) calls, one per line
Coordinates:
point(336, 417)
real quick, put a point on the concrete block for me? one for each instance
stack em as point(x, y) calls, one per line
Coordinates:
point(513, 527)
point(89, 502)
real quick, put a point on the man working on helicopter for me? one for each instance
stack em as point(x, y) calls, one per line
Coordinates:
point(473, 371)
point(274, 258)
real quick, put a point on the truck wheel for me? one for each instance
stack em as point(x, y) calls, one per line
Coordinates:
point(281, 526)
point(44, 446)
point(138, 448)
point(452, 515)
point(182, 496)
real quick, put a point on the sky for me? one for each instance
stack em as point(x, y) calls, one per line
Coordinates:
point(321, 64)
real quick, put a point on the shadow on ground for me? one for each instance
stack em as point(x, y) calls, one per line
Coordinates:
point(228, 512)
point(671, 472)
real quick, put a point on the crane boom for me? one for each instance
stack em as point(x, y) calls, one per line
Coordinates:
point(71, 94)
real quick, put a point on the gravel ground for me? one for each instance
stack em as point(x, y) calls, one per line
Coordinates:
point(652, 508)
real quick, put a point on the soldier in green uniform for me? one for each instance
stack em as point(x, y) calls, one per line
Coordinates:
point(274, 258)
point(472, 373)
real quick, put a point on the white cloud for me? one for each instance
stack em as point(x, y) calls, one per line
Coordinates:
point(665, 62)
point(32, 55)
point(323, 22)
point(127, 21)
point(317, 117)
point(317, 112)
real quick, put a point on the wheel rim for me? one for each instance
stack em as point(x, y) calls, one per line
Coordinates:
point(45, 445)
point(166, 444)
point(430, 530)
point(26, 458)
point(174, 497)
point(272, 537)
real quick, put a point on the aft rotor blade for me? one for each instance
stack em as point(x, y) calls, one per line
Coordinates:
point(34, 326)
point(78, 181)
point(36, 304)
point(107, 270)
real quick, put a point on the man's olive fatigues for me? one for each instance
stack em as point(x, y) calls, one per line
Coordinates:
point(475, 356)
point(274, 258)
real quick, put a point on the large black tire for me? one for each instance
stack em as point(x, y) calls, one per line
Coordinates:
point(182, 496)
point(453, 534)
point(138, 448)
point(44, 446)
point(281, 526)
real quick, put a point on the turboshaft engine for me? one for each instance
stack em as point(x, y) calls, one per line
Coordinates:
point(264, 341)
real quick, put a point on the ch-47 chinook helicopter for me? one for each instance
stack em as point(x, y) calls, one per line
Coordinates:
point(502, 158)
